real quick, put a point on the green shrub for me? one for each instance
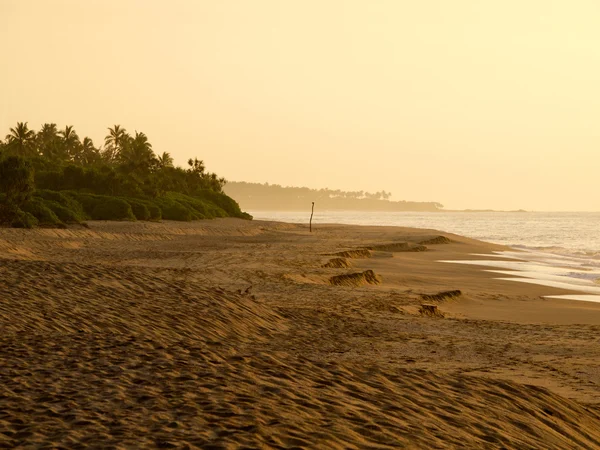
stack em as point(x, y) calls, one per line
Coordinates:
point(44, 215)
point(16, 180)
point(65, 214)
point(197, 209)
point(88, 202)
point(155, 213)
point(55, 196)
point(172, 210)
point(23, 219)
point(202, 208)
point(52, 198)
point(153, 208)
point(49, 179)
point(224, 202)
point(111, 208)
point(139, 209)
point(216, 211)
point(17, 185)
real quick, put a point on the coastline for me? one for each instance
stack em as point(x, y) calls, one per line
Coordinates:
point(238, 323)
point(563, 233)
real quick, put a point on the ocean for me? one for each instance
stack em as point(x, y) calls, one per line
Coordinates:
point(560, 249)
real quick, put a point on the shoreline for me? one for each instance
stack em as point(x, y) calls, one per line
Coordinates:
point(544, 232)
point(231, 332)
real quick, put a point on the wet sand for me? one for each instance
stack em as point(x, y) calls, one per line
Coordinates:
point(233, 334)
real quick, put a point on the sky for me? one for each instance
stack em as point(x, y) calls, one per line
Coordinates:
point(473, 104)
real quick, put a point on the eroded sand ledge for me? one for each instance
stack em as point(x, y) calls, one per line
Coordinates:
point(146, 335)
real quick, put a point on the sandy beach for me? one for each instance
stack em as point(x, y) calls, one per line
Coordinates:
point(231, 334)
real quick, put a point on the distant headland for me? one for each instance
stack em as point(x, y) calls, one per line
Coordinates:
point(274, 197)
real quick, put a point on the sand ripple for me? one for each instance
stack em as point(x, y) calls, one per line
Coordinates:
point(94, 355)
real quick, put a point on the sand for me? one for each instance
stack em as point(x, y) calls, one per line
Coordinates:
point(230, 334)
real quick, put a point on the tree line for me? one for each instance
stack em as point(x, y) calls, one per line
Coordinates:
point(128, 158)
point(126, 166)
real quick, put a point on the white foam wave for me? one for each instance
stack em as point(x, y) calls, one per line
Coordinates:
point(560, 251)
point(572, 273)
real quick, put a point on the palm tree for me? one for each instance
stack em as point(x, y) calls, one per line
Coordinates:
point(21, 140)
point(69, 135)
point(165, 160)
point(137, 154)
point(48, 141)
point(89, 153)
point(71, 143)
point(47, 133)
point(114, 142)
point(141, 140)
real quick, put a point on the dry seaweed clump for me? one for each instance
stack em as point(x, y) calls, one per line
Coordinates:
point(355, 279)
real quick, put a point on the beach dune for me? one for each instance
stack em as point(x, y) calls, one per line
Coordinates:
point(231, 334)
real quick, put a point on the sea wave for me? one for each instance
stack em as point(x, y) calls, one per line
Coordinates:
point(560, 251)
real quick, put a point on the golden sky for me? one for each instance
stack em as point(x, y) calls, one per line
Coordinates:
point(475, 104)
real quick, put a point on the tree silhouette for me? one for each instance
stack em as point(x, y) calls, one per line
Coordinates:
point(48, 141)
point(126, 166)
point(20, 141)
point(17, 184)
point(137, 154)
point(165, 160)
point(196, 166)
point(89, 153)
point(70, 143)
point(114, 142)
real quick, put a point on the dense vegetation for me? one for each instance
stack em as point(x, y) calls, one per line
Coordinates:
point(52, 178)
point(257, 196)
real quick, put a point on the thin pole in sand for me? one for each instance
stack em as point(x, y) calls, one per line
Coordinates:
point(311, 214)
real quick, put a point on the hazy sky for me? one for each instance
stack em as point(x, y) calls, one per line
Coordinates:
point(475, 104)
